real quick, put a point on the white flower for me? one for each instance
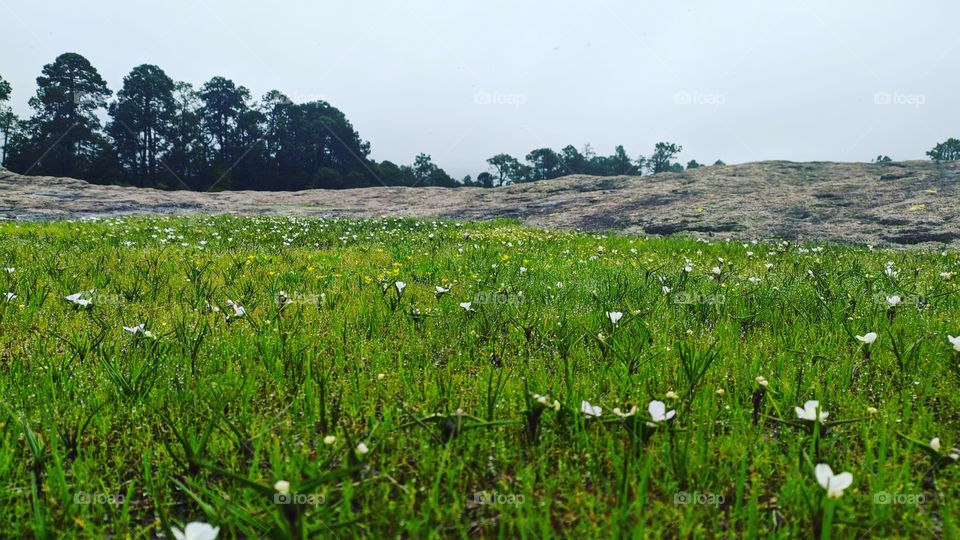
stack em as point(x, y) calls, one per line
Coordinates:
point(935, 443)
point(196, 530)
point(614, 316)
point(10, 270)
point(868, 338)
point(762, 381)
point(238, 310)
point(688, 268)
point(400, 286)
point(523, 269)
point(441, 290)
point(893, 301)
point(872, 410)
point(10, 296)
point(658, 411)
point(545, 401)
point(809, 411)
point(665, 289)
point(329, 439)
point(716, 270)
point(559, 284)
point(466, 305)
point(768, 266)
point(671, 394)
point(955, 341)
point(282, 486)
point(134, 329)
point(381, 376)
point(80, 298)
point(590, 410)
point(621, 414)
point(833, 483)
point(362, 449)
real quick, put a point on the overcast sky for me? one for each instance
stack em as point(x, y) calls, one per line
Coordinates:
point(462, 80)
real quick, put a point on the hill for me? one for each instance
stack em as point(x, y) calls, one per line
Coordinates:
point(896, 204)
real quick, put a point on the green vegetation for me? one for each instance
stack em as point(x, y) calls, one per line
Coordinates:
point(286, 378)
point(169, 135)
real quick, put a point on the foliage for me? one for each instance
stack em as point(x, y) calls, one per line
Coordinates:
point(426, 378)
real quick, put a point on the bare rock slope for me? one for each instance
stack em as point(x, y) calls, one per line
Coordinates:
point(903, 203)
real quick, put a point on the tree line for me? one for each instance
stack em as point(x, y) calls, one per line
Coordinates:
point(166, 134)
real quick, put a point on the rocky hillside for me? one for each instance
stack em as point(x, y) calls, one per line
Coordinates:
point(897, 204)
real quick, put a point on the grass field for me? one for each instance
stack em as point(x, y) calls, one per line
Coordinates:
point(307, 378)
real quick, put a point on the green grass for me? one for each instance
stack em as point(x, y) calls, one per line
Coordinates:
point(106, 432)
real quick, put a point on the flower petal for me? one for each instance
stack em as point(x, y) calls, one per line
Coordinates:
point(824, 473)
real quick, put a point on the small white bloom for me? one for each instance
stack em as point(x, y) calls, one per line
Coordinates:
point(665, 289)
point(893, 301)
point(590, 410)
point(10, 296)
point(658, 412)
point(716, 270)
point(935, 443)
point(400, 286)
point(672, 395)
point(329, 439)
point(238, 310)
point(762, 381)
point(614, 316)
point(196, 530)
point(868, 338)
point(466, 305)
point(441, 290)
point(955, 341)
point(362, 449)
point(282, 486)
point(621, 414)
point(809, 411)
point(833, 483)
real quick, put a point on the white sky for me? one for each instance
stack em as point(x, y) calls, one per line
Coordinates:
point(738, 80)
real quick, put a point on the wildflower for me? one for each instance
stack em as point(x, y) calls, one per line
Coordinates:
point(329, 439)
point(721, 392)
point(523, 269)
point(954, 340)
point(688, 268)
point(614, 316)
point(627, 414)
point(672, 395)
point(768, 266)
point(466, 305)
point(872, 410)
point(196, 530)
point(10, 296)
point(140, 328)
point(545, 401)
point(810, 410)
point(381, 376)
point(282, 486)
point(590, 410)
point(893, 301)
point(868, 338)
point(762, 381)
point(716, 270)
point(665, 289)
point(362, 449)
point(9, 270)
point(238, 310)
point(80, 298)
point(400, 286)
point(833, 483)
point(935, 443)
point(658, 412)
point(559, 284)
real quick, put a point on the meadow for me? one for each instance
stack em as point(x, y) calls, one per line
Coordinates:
point(291, 378)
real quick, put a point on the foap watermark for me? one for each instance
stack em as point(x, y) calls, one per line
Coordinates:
point(489, 298)
point(694, 298)
point(86, 498)
point(909, 499)
point(483, 97)
point(492, 497)
point(302, 499)
point(699, 98)
point(899, 98)
point(284, 298)
point(696, 497)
